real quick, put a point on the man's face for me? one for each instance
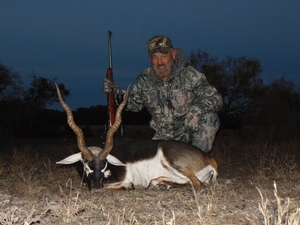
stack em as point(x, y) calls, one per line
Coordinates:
point(163, 64)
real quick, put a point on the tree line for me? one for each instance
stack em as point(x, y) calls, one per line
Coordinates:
point(24, 112)
point(248, 102)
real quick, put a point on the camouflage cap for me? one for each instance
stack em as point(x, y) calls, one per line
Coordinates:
point(159, 43)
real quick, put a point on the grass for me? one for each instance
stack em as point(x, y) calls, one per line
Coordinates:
point(283, 214)
point(258, 184)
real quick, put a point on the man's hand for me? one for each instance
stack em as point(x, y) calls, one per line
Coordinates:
point(191, 122)
point(108, 85)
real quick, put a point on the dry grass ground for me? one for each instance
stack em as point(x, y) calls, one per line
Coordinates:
point(258, 184)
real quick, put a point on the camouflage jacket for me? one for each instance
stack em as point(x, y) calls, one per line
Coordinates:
point(185, 91)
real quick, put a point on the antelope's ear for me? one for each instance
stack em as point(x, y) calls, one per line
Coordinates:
point(71, 159)
point(114, 161)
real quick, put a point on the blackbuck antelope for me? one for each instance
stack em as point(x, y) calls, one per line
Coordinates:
point(125, 163)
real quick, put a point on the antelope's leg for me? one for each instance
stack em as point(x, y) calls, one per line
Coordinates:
point(193, 179)
point(167, 182)
point(119, 186)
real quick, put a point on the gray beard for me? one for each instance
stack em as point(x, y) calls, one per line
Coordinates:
point(165, 73)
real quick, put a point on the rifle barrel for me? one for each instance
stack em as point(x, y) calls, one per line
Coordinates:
point(110, 95)
point(109, 33)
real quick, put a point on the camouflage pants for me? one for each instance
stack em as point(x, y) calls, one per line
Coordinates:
point(204, 137)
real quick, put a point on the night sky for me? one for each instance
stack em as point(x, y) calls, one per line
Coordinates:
point(68, 39)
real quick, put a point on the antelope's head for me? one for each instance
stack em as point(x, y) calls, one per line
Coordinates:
point(92, 161)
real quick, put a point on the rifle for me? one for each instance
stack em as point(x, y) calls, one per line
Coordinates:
point(111, 95)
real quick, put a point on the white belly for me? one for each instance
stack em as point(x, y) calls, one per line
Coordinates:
point(142, 172)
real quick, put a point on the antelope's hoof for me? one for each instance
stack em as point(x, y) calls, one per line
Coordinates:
point(150, 186)
point(164, 187)
point(131, 186)
point(153, 183)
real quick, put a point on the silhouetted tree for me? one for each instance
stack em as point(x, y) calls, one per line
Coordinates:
point(42, 91)
point(11, 85)
point(237, 80)
point(23, 113)
point(280, 114)
point(11, 89)
point(243, 87)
